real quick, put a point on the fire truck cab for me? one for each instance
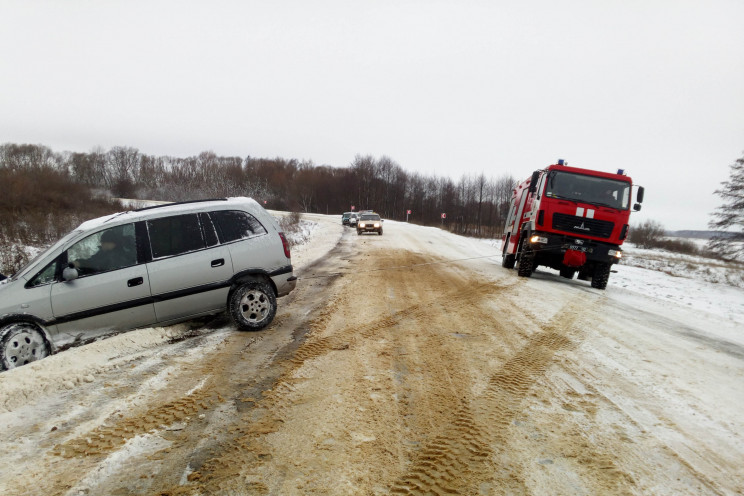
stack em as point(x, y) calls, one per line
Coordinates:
point(570, 219)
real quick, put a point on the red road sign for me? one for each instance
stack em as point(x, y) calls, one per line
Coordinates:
point(408, 212)
point(444, 216)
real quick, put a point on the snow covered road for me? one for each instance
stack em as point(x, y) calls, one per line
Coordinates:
point(409, 363)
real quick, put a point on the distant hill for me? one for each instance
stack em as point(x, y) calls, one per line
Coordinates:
point(695, 234)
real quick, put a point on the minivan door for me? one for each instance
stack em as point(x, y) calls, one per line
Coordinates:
point(112, 290)
point(190, 272)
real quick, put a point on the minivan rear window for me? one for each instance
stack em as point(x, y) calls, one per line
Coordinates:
point(233, 225)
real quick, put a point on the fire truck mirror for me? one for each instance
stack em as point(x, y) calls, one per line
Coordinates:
point(533, 181)
point(637, 207)
point(639, 195)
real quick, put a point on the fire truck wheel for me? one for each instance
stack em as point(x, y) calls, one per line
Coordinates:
point(526, 264)
point(568, 273)
point(507, 261)
point(600, 276)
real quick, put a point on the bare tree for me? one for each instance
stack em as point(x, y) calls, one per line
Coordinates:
point(122, 163)
point(480, 185)
point(24, 157)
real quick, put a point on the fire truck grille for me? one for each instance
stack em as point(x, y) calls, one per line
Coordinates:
point(582, 225)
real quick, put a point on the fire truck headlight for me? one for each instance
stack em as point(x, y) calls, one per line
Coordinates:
point(615, 253)
point(539, 239)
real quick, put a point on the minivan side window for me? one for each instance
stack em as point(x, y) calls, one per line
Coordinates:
point(170, 236)
point(46, 276)
point(233, 225)
point(110, 249)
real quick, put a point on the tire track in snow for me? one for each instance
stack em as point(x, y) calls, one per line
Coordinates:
point(469, 445)
point(219, 474)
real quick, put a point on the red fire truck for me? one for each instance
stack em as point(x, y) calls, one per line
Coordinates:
point(570, 219)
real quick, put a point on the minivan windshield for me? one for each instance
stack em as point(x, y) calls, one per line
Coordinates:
point(588, 189)
point(42, 254)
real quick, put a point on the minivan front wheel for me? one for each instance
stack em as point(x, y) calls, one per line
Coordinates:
point(253, 306)
point(22, 343)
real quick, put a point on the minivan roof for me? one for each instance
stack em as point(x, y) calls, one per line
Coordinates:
point(167, 209)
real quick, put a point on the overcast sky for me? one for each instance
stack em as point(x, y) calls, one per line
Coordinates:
point(441, 87)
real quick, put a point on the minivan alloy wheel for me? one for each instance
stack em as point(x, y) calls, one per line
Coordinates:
point(253, 306)
point(21, 343)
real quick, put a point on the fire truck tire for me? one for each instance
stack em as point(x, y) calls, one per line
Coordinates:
point(600, 276)
point(508, 261)
point(526, 264)
point(568, 273)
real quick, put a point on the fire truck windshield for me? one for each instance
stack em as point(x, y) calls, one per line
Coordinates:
point(588, 189)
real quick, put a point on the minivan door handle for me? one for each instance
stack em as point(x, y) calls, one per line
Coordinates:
point(135, 282)
point(218, 263)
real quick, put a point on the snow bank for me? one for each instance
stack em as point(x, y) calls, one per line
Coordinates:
point(687, 266)
point(685, 283)
point(317, 236)
point(71, 368)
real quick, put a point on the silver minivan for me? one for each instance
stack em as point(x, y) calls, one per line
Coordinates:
point(161, 264)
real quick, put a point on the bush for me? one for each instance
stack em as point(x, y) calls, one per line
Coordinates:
point(678, 246)
point(647, 235)
point(12, 258)
point(38, 206)
point(652, 234)
point(290, 225)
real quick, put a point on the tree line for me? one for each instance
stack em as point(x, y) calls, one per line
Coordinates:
point(46, 193)
point(473, 204)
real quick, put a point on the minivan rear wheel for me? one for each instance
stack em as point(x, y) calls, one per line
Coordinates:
point(253, 306)
point(22, 343)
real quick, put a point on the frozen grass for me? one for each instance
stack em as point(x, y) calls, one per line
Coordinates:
point(688, 266)
point(676, 264)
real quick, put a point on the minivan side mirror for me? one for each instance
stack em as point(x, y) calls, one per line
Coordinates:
point(70, 273)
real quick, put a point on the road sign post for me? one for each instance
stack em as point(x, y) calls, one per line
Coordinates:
point(408, 212)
